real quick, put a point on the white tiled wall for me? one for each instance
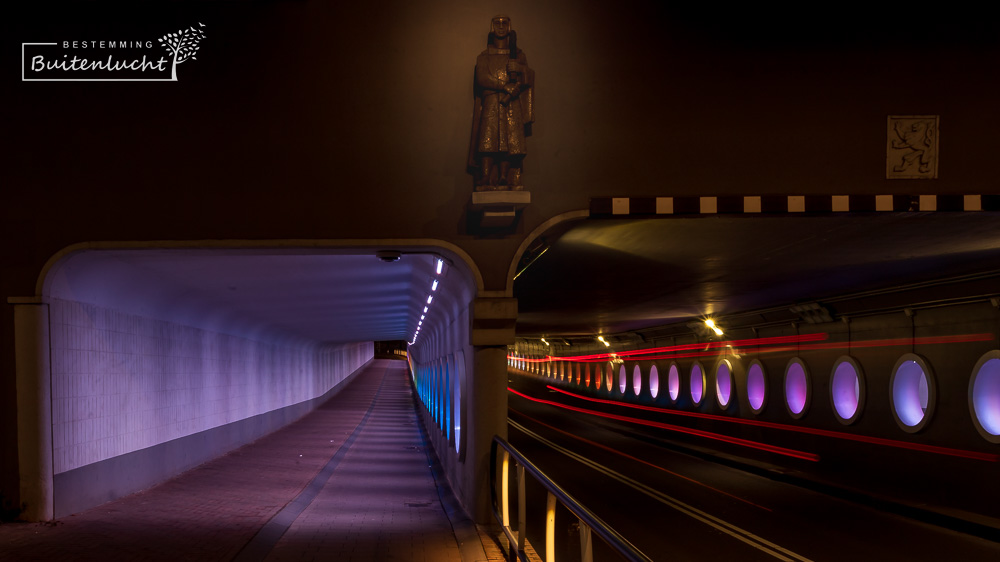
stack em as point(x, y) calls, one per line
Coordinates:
point(121, 382)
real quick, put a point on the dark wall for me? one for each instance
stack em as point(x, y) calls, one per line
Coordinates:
point(296, 113)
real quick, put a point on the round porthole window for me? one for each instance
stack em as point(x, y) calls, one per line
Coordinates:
point(586, 376)
point(756, 386)
point(796, 388)
point(673, 382)
point(724, 382)
point(654, 381)
point(847, 389)
point(609, 374)
point(912, 392)
point(984, 396)
point(622, 382)
point(637, 380)
point(697, 380)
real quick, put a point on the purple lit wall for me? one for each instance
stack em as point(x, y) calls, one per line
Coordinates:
point(985, 396)
point(796, 388)
point(673, 382)
point(756, 387)
point(845, 389)
point(909, 393)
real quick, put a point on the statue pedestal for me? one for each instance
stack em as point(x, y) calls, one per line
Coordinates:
point(499, 209)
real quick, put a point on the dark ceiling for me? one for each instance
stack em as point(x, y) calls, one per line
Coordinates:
point(619, 275)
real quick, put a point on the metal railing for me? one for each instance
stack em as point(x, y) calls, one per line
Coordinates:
point(590, 524)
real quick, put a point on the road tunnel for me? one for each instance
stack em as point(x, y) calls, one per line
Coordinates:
point(852, 354)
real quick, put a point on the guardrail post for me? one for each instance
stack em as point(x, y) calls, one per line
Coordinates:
point(505, 489)
point(589, 522)
point(550, 527)
point(522, 510)
point(586, 543)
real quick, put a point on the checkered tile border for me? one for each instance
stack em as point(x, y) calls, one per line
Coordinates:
point(779, 204)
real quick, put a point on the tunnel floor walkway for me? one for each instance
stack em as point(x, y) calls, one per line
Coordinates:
point(349, 481)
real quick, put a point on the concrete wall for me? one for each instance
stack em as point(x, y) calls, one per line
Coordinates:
point(125, 386)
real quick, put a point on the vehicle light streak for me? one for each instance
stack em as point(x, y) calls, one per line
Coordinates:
point(637, 459)
point(989, 457)
point(696, 432)
point(706, 345)
point(716, 349)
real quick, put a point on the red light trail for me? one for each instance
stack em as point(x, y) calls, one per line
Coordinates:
point(636, 459)
point(770, 345)
point(697, 432)
point(989, 457)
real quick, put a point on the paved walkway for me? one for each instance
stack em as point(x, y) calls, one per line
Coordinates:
point(349, 481)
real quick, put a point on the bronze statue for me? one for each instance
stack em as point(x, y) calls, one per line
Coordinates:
point(503, 111)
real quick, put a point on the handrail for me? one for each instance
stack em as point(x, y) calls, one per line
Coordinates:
point(588, 520)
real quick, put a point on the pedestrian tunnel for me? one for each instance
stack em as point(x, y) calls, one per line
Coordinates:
point(136, 364)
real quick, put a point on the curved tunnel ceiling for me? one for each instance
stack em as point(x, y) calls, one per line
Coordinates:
point(267, 294)
point(619, 275)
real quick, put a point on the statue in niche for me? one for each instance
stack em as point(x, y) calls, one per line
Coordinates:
point(503, 111)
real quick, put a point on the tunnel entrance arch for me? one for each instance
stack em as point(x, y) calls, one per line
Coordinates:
point(162, 355)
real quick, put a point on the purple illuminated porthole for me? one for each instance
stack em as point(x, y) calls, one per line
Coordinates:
point(654, 381)
point(756, 386)
point(984, 396)
point(911, 392)
point(847, 389)
point(723, 382)
point(796, 388)
point(637, 380)
point(622, 383)
point(673, 382)
point(697, 383)
point(609, 374)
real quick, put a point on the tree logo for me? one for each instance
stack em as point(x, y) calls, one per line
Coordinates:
point(110, 59)
point(183, 45)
